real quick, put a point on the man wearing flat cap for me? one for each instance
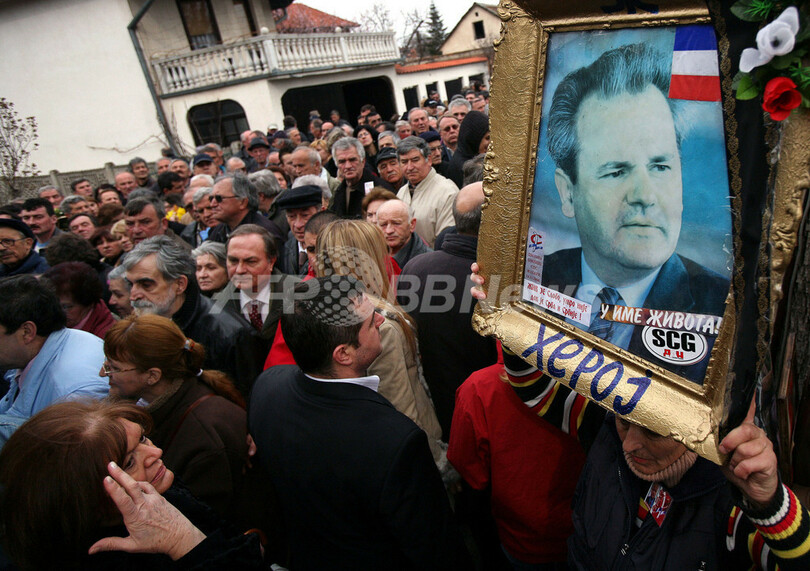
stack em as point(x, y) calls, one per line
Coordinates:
point(17, 254)
point(299, 205)
point(259, 150)
point(389, 168)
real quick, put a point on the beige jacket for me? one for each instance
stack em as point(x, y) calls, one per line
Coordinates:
point(431, 204)
point(399, 371)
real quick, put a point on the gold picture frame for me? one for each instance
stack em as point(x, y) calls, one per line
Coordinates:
point(645, 391)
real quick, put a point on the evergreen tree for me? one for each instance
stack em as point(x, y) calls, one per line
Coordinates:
point(436, 31)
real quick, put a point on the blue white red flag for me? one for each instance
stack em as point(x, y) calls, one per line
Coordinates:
point(695, 73)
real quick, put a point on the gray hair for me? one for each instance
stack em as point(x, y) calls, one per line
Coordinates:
point(334, 135)
point(42, 189)
point(201, 193)
point(210, 147)
point(206, 177)
point(410, 143)
point(314, 180)
point(142, 192)
point(230, 164)
point(119, 273)
point(242, 188)
point(314, 156)
point(347, 143)
point(266, 183)
point(67, 203)
point(391, 134)
point(213, 249)
point(401, 123)
point(171, 259)
point(184, 161)
point(467, 222)
point(413, 110)
point(459, 102)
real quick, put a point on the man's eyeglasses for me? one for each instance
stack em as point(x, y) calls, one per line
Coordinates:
point(220, 198)
point(109, 370)
point(9, 242)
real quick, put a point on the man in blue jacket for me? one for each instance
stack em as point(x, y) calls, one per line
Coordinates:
point(45, 362)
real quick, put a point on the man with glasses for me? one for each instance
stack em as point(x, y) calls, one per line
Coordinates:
point(17, 254)
point(45, 362)
point(235, 202)
point(448, 129)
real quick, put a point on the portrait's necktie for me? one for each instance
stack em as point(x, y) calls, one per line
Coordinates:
point(603, 328)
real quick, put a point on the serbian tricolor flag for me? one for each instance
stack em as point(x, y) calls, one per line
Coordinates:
point(695, 74)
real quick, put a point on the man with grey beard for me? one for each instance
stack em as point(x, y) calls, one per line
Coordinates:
point(162, 275)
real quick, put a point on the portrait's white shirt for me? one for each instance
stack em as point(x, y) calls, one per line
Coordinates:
point(262, 296)
point(372, 382)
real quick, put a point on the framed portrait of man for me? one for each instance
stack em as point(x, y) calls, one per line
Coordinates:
point(630, 228)
point(610, 241)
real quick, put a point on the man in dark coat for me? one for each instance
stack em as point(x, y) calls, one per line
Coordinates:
point(383, 505)
point(163, 283)
point(299, 205)
point(350, 158)
point(17, 254)
point(256, 284)
point(234, 202)
point(451, 351)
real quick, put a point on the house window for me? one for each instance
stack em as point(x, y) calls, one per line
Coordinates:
point(478, 29)
point(199, 23)
point(242, 8)
point(220, 122)
point(411, 96)
point(452, 87)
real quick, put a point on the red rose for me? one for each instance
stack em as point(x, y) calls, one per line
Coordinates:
point(780, 98)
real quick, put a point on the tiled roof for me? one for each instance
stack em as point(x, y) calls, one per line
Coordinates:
point(412, 68)
point(303, 19)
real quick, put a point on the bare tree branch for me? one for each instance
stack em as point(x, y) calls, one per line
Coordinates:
point(18, 138)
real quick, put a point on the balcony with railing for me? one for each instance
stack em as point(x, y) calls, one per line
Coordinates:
point(272, 55)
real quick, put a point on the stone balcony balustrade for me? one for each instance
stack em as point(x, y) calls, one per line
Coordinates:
point(272, 55)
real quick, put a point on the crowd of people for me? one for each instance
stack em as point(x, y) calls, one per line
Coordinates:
point(268, 359)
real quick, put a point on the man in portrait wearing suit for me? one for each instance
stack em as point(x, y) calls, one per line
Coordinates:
point(613, 135)
point(356, 482)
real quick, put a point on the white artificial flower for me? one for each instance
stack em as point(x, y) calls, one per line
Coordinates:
point(775, 39)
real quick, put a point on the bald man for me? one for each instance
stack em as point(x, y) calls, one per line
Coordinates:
point(397, 224)
point(451, 350)
point(125, 183)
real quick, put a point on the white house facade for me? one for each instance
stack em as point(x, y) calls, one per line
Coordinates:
point(211, 68)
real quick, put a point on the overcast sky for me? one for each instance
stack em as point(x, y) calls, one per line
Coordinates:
point(450, 10)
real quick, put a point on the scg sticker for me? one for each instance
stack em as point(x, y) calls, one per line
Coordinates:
point(676, 347)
